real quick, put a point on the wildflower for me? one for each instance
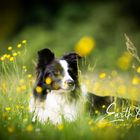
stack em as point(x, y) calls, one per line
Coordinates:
point(4, 86)
point(96, 111)
point(2, 58)
point(7, 108)
point(135, 80)
point(23, 87)
point(8, 56)
point(90, 122)
point(60, 127)
point(24, 41)
point(19, 45)
point(18, 89)
point(24, 67)
point(103, 106)
point(29, 128)
point(102, 75)
point(21, 81)
point(39, 89)
point(29, 75)
point(10, 99)
point(25, 119)
point(17, 106)
point(11, 58)
point(85, 46)
point(122, 89)
point(15, 54)
point(10, 129)
point(5, 55)
point(124, 62)
point(5, 115)
point(103, 124)
point(9, 118)
point(138, 69)
point(10, 48)
point(48, 80)
point(114, 73)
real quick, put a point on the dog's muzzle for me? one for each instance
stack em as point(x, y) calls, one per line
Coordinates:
point(71, 84)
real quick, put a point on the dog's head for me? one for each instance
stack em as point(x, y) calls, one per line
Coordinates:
point(56, 74)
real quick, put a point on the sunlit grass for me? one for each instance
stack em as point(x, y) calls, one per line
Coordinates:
point(16, 84)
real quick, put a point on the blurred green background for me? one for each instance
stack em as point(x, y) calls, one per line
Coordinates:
point(59, 24)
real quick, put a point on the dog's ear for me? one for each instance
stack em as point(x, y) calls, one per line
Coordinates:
point(71, 57)
point(45, 56)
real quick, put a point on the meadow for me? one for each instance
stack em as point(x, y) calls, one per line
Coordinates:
point(17, 80)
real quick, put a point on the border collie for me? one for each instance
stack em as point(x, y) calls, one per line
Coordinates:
point(57, 94)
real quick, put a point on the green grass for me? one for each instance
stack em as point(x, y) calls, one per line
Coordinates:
point(16, 124)
point(16, 121)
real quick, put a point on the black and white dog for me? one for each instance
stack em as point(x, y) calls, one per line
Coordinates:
point(59, 87)
point(58, 94)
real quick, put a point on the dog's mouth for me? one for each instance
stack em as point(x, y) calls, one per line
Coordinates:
point(64, 87)
point(68, 87)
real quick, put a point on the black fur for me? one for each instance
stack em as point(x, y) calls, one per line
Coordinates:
point(45, 57)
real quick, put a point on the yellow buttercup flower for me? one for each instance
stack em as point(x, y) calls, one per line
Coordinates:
point(103, 124)
point(14, 54)
point(18, 89)
point(90, 122)
point(39, 89)
point(10, 129)
point(60, 127)
point(2, 58)
point(138, 69)
point(29, 75)
point(8, 56)
point(23, 87)
point(103, 106)
point(24, 41)
point(24, 67)
point(96, 111)
point(19, 45)
point(7, 108)
point(124, 62)
point(122, 89)
point(135, 80)
point(48, 80)
point(85, 46)
point(10, 48)
point(102, 75)
point(21, 81)
point(11, 58)
point(29, 128)
point(114, 73)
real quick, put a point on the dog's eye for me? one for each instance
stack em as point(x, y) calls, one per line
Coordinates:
point(56, 73)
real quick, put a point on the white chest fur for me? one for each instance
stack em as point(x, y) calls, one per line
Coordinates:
point(54, 108)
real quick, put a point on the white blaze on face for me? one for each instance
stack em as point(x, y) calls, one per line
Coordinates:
point(66, 77)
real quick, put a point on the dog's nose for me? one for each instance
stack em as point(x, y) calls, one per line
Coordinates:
point(70, 83)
